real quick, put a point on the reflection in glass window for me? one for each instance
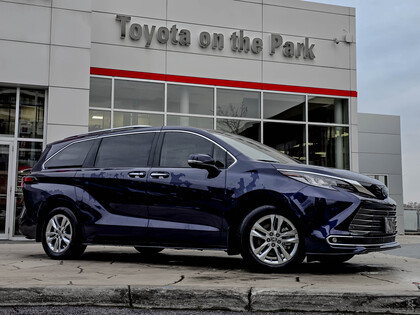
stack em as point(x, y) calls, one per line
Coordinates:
point(328, 110)
point(125, 151)
point(199, 122)
point(7, 111)
point(99, 119)
point(249, 129)
point(190, 99)
point(100, 92)
point(286, 138)
point(329, 146)
point(72, 156)
point(238, 103)
point(138, 95)
point(31, 113)
point(178, 146)
point(122, 119)
point(28, 154)
point(284, 107)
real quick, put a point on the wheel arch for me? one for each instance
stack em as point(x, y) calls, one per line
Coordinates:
point(247, 203)
point(49, 205)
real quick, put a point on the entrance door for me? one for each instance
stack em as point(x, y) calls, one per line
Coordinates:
point(5, 185)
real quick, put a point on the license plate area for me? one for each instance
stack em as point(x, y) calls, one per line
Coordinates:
point(390, 225)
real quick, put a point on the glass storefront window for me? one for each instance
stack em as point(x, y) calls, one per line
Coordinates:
point(7, 111)
point(329, 146)
point(190, 99)
point(284, 107)
point(328, 110)
point(138, 95)
point(249, 129)
point(4, 168)
point(31, 113)
point(100, 92)
point(199, 122)
point(286, 138)
point(122, 119)
point(238, 103)
point(99, 119)
point(28, 154)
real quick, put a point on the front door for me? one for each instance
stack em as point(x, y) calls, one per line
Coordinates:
point(5, 187)
point(186, 204)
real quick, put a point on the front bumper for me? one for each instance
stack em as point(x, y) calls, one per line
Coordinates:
point(362, 244)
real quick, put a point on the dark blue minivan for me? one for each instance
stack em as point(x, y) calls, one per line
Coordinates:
point(181, 187)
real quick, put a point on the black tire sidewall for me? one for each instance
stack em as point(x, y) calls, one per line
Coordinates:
point(75, 248)
point(245, 230)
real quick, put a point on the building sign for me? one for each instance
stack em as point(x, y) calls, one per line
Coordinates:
point(238, 42)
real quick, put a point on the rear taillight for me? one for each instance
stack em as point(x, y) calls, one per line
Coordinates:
point(27, 180)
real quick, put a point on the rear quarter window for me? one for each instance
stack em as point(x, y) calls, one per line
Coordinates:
point(72, 155)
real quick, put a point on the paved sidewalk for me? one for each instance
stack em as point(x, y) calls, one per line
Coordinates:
point(376, 282)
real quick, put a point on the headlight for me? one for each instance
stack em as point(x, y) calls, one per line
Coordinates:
point(326, 181)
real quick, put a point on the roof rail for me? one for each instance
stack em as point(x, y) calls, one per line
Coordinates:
point(105, 130)
point(121, 128)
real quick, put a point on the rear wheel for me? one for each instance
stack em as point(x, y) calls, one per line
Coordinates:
point(271, 239)
point(148, 250)
point(61, 236)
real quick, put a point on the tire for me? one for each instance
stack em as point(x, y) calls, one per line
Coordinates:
point(271, 239)
point(61, 235)
point(332, 259)
point(148, 250)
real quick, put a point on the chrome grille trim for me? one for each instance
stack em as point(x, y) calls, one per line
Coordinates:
point(370, 221)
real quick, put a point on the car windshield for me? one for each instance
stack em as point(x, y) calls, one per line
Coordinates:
point(255, 150)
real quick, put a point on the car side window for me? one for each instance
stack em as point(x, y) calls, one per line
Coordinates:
point(125, 150)
point(71, 156)
point(178, 146)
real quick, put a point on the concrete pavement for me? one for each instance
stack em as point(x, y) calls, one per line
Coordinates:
point(119, 276)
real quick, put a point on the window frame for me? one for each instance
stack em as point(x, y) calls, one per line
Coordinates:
point(159, 146)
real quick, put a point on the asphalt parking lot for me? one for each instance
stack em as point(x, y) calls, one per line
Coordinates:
point(190, 279)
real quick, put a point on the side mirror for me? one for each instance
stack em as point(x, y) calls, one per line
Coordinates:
point(204, 161)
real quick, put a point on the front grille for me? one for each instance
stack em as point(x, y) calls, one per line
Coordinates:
point(374, 222)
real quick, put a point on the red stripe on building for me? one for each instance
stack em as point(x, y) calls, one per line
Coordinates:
point(220, 82)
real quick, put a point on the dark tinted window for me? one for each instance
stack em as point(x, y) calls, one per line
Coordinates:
point(125, 151)
point(177, 147)
point(72, 156)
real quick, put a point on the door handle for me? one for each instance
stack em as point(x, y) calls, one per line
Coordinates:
point(159, 175)
point(137, 174)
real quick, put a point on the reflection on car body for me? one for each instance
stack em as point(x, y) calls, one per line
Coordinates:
point(180, 187)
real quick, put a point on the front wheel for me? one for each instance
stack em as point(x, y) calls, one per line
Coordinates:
point(271, 239)
point(61, 236)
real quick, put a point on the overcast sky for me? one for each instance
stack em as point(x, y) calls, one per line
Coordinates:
point(388, 72)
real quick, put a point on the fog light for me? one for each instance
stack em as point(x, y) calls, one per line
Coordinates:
point(334, 240)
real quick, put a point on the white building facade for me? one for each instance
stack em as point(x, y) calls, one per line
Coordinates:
point(279, 72)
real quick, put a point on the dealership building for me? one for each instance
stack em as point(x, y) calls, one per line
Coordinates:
point(279, 72)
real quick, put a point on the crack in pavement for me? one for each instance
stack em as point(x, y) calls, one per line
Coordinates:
point(384, 280)
point(81, 269)
point(178, 281)
point(307, 285)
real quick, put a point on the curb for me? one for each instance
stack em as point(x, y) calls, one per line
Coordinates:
point(231, 299)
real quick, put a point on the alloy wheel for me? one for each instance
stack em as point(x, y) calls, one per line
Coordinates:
point(274, 240)
point(58, 233)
